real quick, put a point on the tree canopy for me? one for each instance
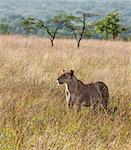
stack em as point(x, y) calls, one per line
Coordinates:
point(110, 26)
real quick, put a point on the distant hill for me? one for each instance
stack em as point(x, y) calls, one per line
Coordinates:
point(47, 8)
point(13, 11)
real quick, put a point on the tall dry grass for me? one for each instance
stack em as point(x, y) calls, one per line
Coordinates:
point(33, 114)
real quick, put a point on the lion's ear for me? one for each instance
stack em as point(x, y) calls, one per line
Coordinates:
point(71, 73)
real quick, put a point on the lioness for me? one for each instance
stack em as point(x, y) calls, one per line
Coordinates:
point(83, 94)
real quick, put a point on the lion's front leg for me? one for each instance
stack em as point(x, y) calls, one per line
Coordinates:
point(70, 103)
point(79, 102)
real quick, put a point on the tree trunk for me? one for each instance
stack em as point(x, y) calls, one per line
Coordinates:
point(114, 37)
point(83, 29)
point(27, 33)
point(52, 44)
point(78, 44)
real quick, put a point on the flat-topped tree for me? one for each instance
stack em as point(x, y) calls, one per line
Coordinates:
point(77, 24)
point(28, 24)
point(51, 32)
point(110, 26)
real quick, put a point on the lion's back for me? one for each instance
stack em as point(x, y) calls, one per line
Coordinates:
point(98, 89)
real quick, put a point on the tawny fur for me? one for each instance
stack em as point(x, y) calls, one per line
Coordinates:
point(84, 94)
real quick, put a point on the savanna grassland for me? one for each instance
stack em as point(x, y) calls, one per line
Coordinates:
point(33, 113)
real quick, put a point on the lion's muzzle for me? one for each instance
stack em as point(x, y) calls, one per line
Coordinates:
point(59, 82)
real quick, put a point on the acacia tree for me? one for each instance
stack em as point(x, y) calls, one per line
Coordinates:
point(28, 24)
point(77, 24)
point(102, 28)
point(110, 26)
point(51, 32)
point(4, 28)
